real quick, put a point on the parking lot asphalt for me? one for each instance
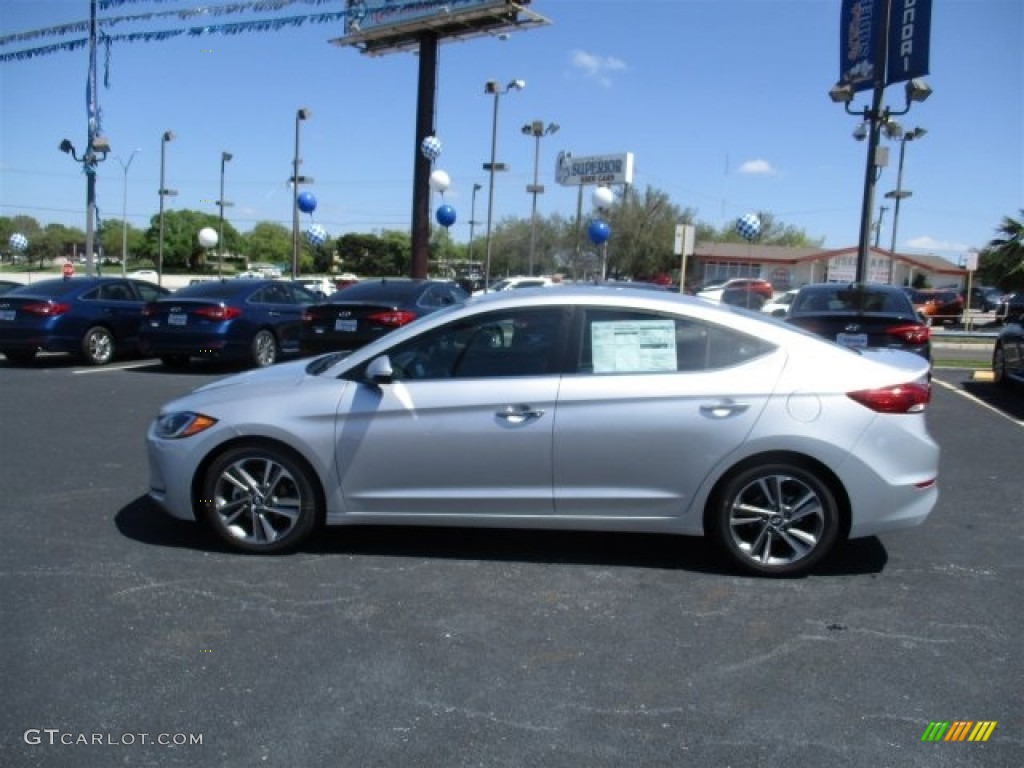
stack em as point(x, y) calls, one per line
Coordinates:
point(132, 639)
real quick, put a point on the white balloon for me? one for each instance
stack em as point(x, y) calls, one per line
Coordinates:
point(208, 237)
point(439, 181)
point(603, 197)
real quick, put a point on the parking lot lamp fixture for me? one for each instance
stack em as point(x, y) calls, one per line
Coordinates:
point(899, 193)
point(165, 137)
point(225, 157)
point(96, 151)
point(296, 180)
point(124, 211)
point(536, 129)
point(492, 88)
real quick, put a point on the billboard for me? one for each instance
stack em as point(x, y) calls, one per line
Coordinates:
point(861, 28)
point(385, 26)
point(596, 169)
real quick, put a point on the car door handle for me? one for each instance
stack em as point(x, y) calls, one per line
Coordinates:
point(723, 409)
point(519, 414)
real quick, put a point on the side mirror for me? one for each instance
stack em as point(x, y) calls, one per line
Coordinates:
point(379, 371)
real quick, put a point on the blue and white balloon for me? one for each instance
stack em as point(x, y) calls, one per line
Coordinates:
point(445, 215)
point(18, 242)
point(431, 148)
point(749, 226)
point(316, 235)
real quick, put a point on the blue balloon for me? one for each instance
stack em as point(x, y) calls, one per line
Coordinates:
point(598, 231)
point(307, 202)
point(445, 215)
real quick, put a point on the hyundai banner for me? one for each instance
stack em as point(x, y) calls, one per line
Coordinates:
point(860, 29)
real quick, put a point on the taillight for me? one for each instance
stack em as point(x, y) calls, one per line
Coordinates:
point(902, 398)
point(149, 310)
point(910, 334)
point(218, 313)
point(46, 309)
point(392, 318)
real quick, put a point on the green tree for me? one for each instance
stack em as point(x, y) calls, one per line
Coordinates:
point(387, 254)
point(182, 251)
point(269, 243)
point(1002, 262)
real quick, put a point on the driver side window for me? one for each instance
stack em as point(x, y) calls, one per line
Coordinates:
point(523, 342)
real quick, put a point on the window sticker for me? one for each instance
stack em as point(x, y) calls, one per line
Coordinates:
point(633, 346)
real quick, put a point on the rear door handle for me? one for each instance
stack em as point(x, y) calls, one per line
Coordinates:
point(519, 414)
point(723, 409)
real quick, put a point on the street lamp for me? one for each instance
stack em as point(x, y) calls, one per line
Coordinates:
point(874, 119)
point(225, 157)
point(492, 87)
point(163, 192)
point(536, 129)
point(472, 218)
point(95, 153)
point(124, 211)
point(899, 193)
point(300, 115)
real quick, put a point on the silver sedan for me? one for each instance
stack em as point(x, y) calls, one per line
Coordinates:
point(581, 408)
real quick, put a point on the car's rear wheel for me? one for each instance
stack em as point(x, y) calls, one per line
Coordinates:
point(264, 348)
point(98, 345)
point(20, 356)
point(999, 365)
point(260, 498)
point(775, 519)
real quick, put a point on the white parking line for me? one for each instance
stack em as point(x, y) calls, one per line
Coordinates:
point(116, 367)
point(978, 401)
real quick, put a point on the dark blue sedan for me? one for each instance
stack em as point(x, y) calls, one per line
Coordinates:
point(254, 321)
point(92, 317)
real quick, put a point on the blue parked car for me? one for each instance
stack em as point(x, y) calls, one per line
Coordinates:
point(92, 317)
point(249, 320)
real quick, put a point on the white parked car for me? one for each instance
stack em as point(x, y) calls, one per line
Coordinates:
point(515, 283)
point(779, 306)
point(321, 286)
point(581, 408)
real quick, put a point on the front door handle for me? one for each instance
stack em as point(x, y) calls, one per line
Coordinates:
point(723, 409)
point(519, 414)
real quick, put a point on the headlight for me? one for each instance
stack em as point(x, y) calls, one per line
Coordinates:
point(171, 426)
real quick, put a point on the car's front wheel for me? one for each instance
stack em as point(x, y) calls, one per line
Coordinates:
point(260, 498)
point(98, 345)
point(775, 519)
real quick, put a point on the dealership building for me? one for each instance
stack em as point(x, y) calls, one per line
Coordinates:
point(789, 268)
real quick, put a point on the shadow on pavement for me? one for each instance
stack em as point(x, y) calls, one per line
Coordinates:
point(145, 522)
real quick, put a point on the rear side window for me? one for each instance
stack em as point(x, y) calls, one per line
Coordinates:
point(623, 341)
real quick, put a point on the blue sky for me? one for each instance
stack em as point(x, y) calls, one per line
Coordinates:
point(724, 104)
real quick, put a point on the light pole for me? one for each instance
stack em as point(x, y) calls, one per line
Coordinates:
point(300, 115)
point(124, 211)
point(95, 153)
point(225, 157)
point(163, 192)
point(472, 219)
point(492, 87)
point(536, 129)
point(899, 193)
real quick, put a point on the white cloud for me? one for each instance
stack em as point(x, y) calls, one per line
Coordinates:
point(597, 67)
point(757, 168)
point(931, 244)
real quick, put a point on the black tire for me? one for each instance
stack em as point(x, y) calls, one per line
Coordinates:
point(775, 519)
point(174, 361)
point(20, 356)
point(999, 365)
point(260, 498)
point(264, 349)
point(98, 345)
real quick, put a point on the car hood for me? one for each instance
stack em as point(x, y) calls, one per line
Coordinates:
point(280, 376)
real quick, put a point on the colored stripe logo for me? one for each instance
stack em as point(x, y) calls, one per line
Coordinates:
point(958, 730)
